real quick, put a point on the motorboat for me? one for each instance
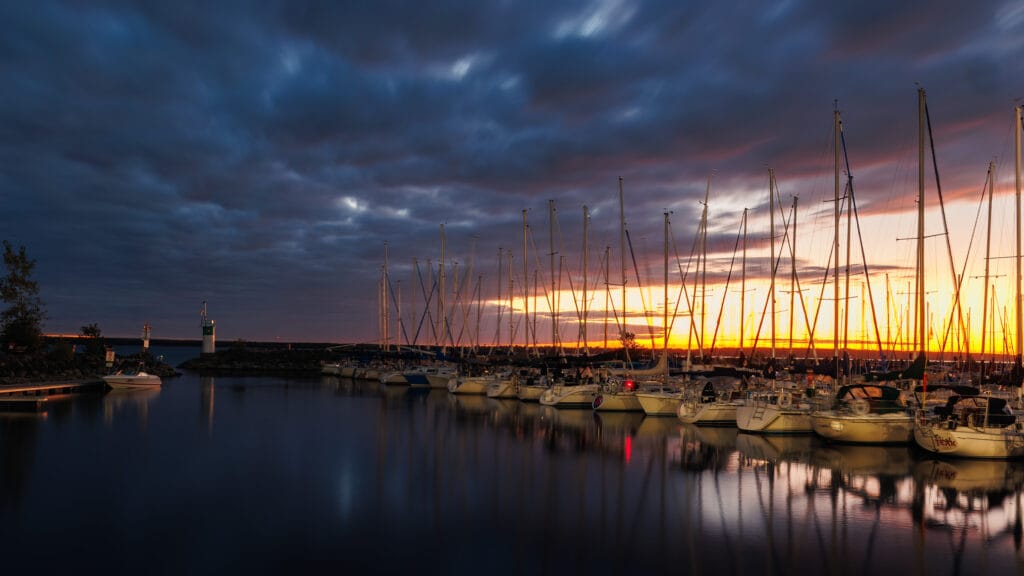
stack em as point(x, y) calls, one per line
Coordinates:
point(131, 380)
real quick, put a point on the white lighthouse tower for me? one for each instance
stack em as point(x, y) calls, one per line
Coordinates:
point(209, 333)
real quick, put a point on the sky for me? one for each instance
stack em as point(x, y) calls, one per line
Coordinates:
point(268, 157)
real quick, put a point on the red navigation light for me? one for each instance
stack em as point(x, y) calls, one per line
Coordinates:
point(630, 385)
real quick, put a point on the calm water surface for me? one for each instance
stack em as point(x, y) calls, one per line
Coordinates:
point(321, 475)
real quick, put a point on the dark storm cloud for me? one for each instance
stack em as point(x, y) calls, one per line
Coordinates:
point(259, 155)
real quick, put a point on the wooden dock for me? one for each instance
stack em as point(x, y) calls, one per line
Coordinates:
point(34, 397)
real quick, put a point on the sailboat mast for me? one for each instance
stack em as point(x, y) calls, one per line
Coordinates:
point(442, 312)
point(1017, 135)
point(923, 342)
point(792, 279)
point(607, 254)
point(835, 248)
point(586, 245)
point(381, 330)
point(622, 258)
point(501, 304)
point(704, 267)
point(988, 252)
point(511, 310)
point(526, 289)
point(551, 245)
point(387, 305)
point(416, 268)
point(743, 279)
point(771, 259)
point(664, 319)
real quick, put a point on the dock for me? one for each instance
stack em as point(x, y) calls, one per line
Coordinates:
point(35, 396)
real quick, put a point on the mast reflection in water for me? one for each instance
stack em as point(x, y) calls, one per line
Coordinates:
point(301, 475)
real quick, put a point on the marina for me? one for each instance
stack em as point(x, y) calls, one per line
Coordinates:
point(271, 474)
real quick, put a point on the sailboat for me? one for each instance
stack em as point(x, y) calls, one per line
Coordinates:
point(971, 426)
point(782, 408)
point(874, 413)
point(783, 411)
point(658, 398)
point(619, 392)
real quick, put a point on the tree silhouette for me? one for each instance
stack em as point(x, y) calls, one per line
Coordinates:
point(21, 321)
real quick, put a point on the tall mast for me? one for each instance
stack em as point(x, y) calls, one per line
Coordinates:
point(771, 259)
point(441, 305)
point(622, 259)
point(848, 200)
point(664, 320)
point(511, 310)
point(921, 330)
point(427, 298)
point(551, 244)
point(704, 268)
point(586, 245)
point(381, 330)
point(988, 251)
point(416, 268)
point(387, 306)
point(1017, 135)
point(792, 279)
point(526, 289)
point(607, 253)
point(479, 311)
point(743, 279)
point(835, 247)
point(501, 252)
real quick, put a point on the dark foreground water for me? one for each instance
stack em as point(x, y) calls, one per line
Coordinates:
point(271, 475)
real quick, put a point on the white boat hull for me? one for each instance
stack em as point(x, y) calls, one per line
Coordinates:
point(472, 385)
point(707, 413)
point(505, 388)
point(659, 403)
point(617, 402)
point(528, 393)
point(140, 381)
point(894, 428)
point(970, 441)
point(771, 419)
point(394, 378)
point(581, 396)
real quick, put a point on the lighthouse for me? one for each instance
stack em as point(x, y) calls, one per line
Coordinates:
point(209, 333)
point(145, 337)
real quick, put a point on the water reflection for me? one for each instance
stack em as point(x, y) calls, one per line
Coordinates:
point(332, 474)
point(129, 403)
point(18, 438)
point(207, 395)
point(701, 496)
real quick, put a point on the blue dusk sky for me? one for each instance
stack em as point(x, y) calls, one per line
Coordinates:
point(260, 155)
